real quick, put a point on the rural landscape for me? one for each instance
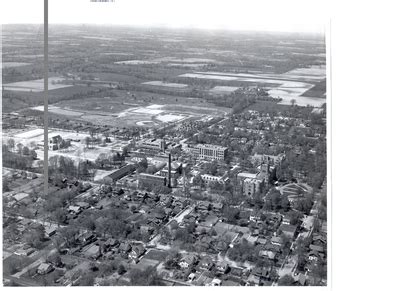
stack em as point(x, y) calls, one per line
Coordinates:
point(177, 157)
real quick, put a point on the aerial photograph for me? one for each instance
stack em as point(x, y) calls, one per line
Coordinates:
point(176, 157)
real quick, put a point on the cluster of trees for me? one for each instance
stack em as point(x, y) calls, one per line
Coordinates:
point(304, 205)
point(147, 277)
point(243, 251)
point(275, 201)
point(60, 166)
point(105, 161)
point(35, 236)
point(21, 160)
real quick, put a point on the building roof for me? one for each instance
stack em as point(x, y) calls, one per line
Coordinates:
point(276, 239)
point(44, 267)
point(118, 174)
point(247, 175)
point(20, 196)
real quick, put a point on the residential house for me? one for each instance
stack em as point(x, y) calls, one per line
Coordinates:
point(267, 254)
point(276, 240)
point(187, 260)
point(93, 252)
point(44, 268)
point(222, 267)
point(137, 251)
point(216, 282)
point(206, 263)
point(125, 248)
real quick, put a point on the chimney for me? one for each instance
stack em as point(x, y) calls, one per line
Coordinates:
point(169, 170)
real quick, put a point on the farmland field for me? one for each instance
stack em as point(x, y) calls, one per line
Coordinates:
point(223, 90)
point(164, 84)
point(13, 64)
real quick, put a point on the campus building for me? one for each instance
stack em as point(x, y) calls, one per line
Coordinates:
point(253, 183)
point(209, 151)
point(152, 145)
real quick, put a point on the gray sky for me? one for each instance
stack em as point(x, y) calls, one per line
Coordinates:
point(261, 15)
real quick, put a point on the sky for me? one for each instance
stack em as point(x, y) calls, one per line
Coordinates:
point(258, 15)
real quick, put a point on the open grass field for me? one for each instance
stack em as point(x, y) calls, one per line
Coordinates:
point(35, 85)
point(141, 109)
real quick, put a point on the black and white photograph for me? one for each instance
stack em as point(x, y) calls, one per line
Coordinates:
point(174, 143)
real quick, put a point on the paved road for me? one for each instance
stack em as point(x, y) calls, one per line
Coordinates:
point(22, 281)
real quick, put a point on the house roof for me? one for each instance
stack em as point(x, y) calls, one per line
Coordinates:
point(276, 239)
point(188, 258)
point(317, 248)
point(44, 266)
point(93, 250)
point(206, 261)
point(20, 196)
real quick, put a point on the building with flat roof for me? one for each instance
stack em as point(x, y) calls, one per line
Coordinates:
point(154, 145)
point(152, 179)
point(209, 151)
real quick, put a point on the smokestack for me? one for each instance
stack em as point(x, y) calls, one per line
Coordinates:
point(169, 170)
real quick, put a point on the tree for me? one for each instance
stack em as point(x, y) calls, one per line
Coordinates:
point(286, 280)
point(142, 165)
point(20, 147)
point(87, 279)
point(11, 144)
point(87, 141)
point(33, 154)
point(55, 259)
point(197, 181)
point(25, 151)
point(60, 215)
point(293, 102)
point(121, 269)
point(35, 236)
point(147, 277)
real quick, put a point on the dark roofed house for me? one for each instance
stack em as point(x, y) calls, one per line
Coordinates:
point(236, 271)
point(111, 242)
point(87, 238)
